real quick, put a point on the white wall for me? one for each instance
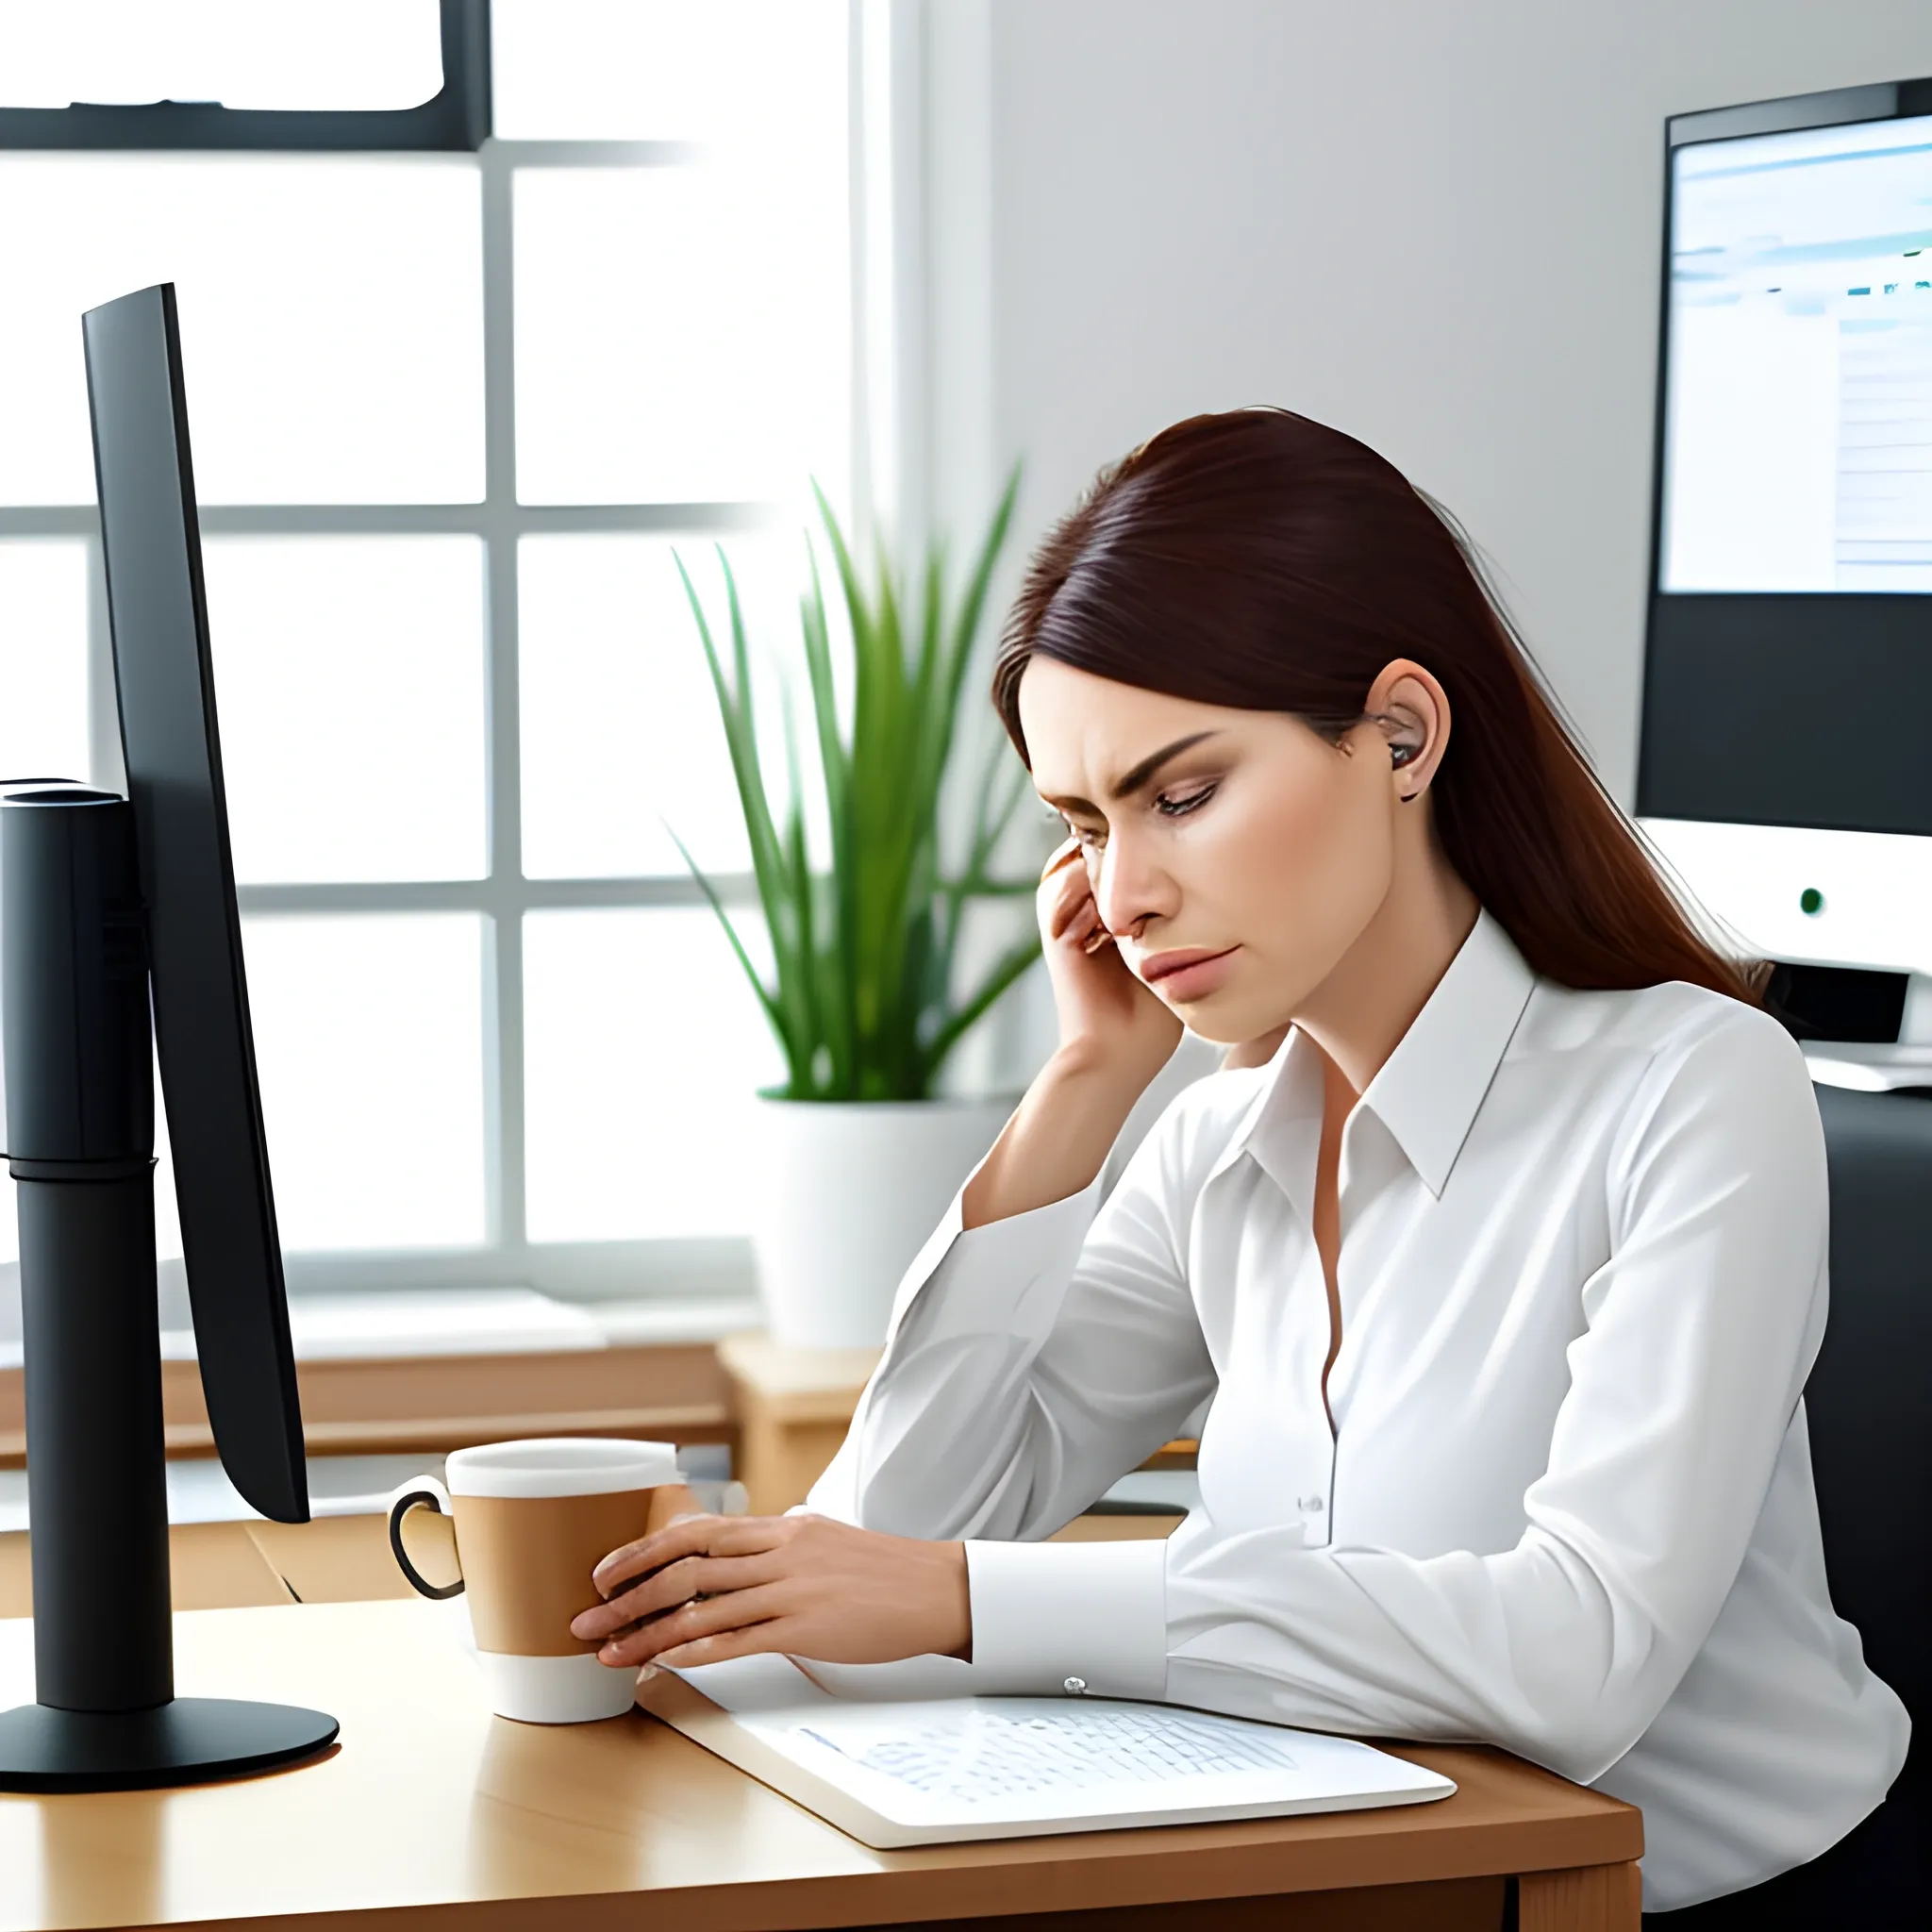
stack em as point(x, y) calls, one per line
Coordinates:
point(1432, 223)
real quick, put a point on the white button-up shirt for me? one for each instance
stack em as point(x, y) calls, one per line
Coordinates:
point(1566, 1505)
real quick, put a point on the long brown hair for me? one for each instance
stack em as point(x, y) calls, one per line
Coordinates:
point(1260, 560)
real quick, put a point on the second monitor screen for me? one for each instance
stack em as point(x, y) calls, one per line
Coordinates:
point(1798, 408)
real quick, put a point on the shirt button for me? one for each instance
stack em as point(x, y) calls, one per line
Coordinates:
point(1075, 1687)
point(1313, 1504)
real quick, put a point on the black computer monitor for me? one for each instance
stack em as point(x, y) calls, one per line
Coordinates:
point(1790, 592)
point(171, 742)
point(117, 909)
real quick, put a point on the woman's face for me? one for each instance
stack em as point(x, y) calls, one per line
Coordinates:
point(1235, 856)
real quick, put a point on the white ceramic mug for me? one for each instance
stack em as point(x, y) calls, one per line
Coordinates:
point(530, 1522)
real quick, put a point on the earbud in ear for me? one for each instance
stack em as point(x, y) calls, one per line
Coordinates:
point(1400, 755)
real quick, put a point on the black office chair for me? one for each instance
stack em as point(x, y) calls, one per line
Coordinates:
point(1870, 1426)
point(1870, 1408)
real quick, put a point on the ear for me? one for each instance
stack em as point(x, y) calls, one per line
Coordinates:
point(1412, 709)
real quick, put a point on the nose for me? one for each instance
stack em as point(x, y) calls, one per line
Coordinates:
point(1128, 889)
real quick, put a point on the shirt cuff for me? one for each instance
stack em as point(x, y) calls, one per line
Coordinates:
point(1052, 1618)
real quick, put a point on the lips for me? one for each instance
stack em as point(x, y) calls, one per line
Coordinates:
point(1164, 965)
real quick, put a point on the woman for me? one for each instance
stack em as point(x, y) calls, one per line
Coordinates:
point(1504, 1269)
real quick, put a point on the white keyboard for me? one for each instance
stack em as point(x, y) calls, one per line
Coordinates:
point(904, 1755)
point(991, 1755)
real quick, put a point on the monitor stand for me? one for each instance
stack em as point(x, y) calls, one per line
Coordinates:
point(74, 999)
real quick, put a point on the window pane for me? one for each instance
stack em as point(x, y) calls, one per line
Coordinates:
point(374, 53)
point(368, 1039)
point(644, 1049)
point(43, 659)
point(349, 673)
point(681, 333)
point(664, 70)
point(331, 319)
point(621, 735)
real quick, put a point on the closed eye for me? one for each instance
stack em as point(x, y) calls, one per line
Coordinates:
point(1172, 805)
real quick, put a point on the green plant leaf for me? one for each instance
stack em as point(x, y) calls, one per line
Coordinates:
point(836, 960)
point(787, 1042)
point(864, 951)
point(805, 991)
point(735, 710)
point(1011, 965)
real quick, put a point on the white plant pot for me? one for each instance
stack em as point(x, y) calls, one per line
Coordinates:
point(847, 1192)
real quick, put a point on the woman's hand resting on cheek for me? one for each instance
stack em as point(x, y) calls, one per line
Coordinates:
point(1106, 1015)
point(1115, 1036)
point(710, 1588)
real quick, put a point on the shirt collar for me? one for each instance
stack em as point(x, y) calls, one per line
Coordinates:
point(1430, 1088)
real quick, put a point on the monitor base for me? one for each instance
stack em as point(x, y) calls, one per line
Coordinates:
point(189, 1741)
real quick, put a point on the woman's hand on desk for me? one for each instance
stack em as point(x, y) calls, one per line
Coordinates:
point(710, 1588)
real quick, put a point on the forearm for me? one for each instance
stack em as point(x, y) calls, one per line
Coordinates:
point(1531, 1648)
point(1016, 1387)
point(1032, 1359)
point(1057, 1139)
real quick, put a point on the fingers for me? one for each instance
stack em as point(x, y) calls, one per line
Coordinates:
point(774, 1634)
point(715, 1616)
point(1073, 912)
point(1068, 899)
point(1081, 925)
point(1063, 855)
point(1067, 907)
point(674, 1585)
point(690, 1536)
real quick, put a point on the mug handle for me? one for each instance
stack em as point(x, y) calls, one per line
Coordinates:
point(419, 1490)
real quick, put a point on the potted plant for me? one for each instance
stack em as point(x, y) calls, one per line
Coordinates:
point(861, 1154)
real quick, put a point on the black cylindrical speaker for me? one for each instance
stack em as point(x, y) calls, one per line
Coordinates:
point(79, 1058)
point(74, 1001)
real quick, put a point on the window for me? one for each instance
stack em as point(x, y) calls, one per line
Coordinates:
point(452, 412)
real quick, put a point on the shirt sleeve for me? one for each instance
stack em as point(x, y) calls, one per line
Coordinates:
point(1699, 1332)
point(1030, 1363)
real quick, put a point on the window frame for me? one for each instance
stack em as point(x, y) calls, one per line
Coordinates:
point(454, 118)
point(693, 1283)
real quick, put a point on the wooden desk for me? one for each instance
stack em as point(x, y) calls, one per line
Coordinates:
point(432, 1403)
point(432, 1813)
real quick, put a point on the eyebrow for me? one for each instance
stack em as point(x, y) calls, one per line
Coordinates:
point(1130, 782)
